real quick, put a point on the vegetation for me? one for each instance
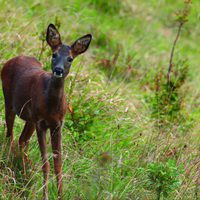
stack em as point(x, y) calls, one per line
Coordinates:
point(132, 130)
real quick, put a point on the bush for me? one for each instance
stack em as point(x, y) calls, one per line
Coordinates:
point(111, 7)
point(163, 178)
point(167, 101)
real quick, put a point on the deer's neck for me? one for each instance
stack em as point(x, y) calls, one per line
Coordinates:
point(55, 93)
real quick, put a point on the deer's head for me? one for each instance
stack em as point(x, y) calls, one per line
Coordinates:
point(63, 55)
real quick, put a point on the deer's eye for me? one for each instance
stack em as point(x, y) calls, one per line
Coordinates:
point(69, 59)
point(54, 55)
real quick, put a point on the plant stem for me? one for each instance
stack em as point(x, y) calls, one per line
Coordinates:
point(42, 49)
point(172, 53)
point(159, 190)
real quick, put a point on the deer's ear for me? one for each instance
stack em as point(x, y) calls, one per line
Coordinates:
point(53, 37)
point(81, 45)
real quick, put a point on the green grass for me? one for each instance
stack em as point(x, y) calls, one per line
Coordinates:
point(112, 135)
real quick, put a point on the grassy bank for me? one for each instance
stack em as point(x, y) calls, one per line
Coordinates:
point(123, 140)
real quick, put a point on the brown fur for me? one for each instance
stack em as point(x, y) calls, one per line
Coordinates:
point(26, 91)
point(38, 97)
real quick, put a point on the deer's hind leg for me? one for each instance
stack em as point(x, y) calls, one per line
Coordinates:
point(26, 134)
point(9, 114)
point(10, 118)
point(23, 141)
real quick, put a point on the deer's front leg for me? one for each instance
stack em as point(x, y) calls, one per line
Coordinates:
point(41, 134)
point(56, 147)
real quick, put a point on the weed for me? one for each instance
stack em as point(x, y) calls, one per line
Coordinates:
point(163, 178)
point(167, 101)
point(123, 113)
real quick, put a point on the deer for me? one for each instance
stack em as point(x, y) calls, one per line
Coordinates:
point(38, 98)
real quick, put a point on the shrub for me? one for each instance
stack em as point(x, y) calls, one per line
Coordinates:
point(111, 7)
point(167, 101)
point(162, 178)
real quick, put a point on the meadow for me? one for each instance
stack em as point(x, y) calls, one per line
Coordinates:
point(128, 134)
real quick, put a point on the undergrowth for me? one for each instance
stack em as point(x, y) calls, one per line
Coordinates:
point(132, 126)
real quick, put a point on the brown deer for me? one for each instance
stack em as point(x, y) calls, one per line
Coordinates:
point(38, 97)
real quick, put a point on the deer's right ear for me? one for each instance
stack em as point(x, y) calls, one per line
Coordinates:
point(53, 37)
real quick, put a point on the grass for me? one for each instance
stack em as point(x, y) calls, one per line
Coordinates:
point(112, 134)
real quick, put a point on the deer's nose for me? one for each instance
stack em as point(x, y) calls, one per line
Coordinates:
point(58, 72)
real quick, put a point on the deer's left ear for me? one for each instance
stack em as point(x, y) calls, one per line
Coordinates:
point(81, 45)
point(53, 37)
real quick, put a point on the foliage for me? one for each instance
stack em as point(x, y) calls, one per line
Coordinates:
point(117, 93)
point(111, 7)
point(167, 103)
point(163, 178)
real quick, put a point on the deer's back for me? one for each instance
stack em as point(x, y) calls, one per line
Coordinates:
point(18, 65)
point(22, 77)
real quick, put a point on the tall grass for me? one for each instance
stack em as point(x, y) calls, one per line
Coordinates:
point(111, 146)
